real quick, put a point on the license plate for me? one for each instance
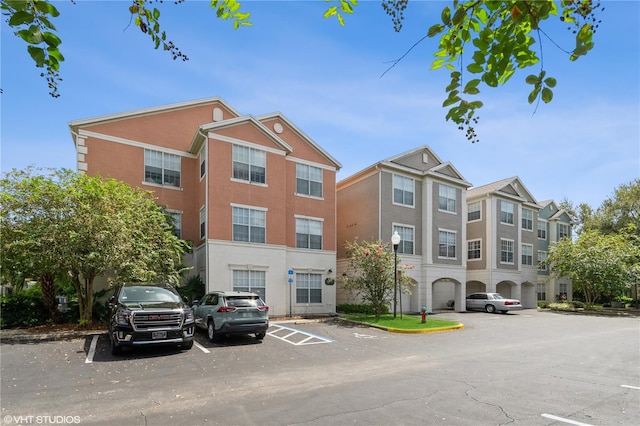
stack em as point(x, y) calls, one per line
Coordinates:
point(158, 335)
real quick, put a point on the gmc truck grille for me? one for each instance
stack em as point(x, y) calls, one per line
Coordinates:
point(156, 320)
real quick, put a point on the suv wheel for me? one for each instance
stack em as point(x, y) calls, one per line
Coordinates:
point(115, 349)
point(260, 336)
point(211, 331)
point(187, 345)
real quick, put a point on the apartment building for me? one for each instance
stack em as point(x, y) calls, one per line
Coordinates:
point(254, 194)
point(502, 240)
point(424, 200)
point(554, 224)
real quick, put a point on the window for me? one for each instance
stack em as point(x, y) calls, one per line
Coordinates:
point(249, 225)
point(564, 287)
point(506, 212)
point(447, 244)
point(406, 235)
point(403, 190)
point(527, 254)
point(203, 161)
point(447, 199)
point(308, 288)
point(175, 220)
point(527, 219)
point(253, 281)
point(563, 231)
point(161, 168)
point(506, 251)
point(473, 212)
point(249, 164)
point(542, 256)
point(309, 233)
point(542, 291)
point(203, 222)
point(542, 229)
point(308, 180)
point(473, 250)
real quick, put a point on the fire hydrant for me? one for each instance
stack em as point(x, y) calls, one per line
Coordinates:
point(424, 314)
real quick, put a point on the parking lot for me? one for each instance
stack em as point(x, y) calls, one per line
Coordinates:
point(526, 368)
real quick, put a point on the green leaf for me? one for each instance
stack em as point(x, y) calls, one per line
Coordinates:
point(156, 13)
point(490, 79)
point(550, 82)
point(20, 18)
point(475, 68)
point(445, 16)
point(459, 15)
point(532, 79)
point(533, 95)
point(330, 12)
point(435, 30)
point(547, 95)
point(51, 39)
point(38, 55)
point(55, 53)
point(46, 7)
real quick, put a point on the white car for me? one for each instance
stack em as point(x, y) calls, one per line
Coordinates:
point(491, 302)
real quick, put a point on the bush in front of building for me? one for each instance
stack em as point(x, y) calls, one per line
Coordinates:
point(23, 308)
point(352, 308)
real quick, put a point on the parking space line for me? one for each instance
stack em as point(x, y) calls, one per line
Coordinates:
point(307, 338)
point(202, 348)
point(630, 387)
point(561, 419)
point(92, 350)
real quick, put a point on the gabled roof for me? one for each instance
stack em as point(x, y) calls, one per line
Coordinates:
point(202, 133)
point(432, 167)
point(509, 188)
point(74, 125)
point(301, 134)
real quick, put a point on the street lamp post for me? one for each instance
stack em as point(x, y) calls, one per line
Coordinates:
point(395, 240)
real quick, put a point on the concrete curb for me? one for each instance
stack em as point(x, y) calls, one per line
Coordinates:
point(23, 336)
point(458, 326)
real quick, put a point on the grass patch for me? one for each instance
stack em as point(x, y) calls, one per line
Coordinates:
point(407, 322)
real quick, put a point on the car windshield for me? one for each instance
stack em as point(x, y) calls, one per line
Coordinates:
point(148, 294)
point(244, 301)
point(497, 296)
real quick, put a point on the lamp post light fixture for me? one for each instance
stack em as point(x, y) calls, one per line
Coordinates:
point(395, 240)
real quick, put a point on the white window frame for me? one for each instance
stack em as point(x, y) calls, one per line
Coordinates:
point(407, 238)
point(507, 214)
point(473, 208)
point(177, 222)
point(252, 158)
point(543, 230)
point(203, 222)
point(402, 183)
point(250, 280)
point(561, 234)
point(509, 250)
point(447, 196)
point(542, 256)
point(527, 219)
point(541, 291)
point(447, 233)
point(311, 175)
point(306, 226)
point(527, 254)
point(470, 249)
point(308, 287)
point(253, 218)
point(164, 163)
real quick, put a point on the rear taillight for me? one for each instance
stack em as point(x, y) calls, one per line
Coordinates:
point(264, 308)
point(509, 302)
point(227, 309)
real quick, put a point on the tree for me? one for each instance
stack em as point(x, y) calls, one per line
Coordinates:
point(597, 264)
point(30, 208)
point(488, 40)
point(89, 227)
point(619, 212)
point(372, 266)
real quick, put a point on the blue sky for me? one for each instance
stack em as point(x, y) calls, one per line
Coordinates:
point(327, 79)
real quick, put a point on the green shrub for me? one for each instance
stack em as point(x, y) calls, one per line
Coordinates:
point(561, 306)
point(348, 308)
point(193, 289)
point(23, 308)
point(543, 304)
point(577, 304)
